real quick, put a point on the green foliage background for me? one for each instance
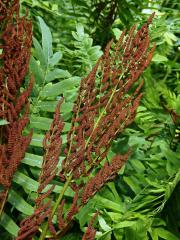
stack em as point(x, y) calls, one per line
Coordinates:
point(143, 202)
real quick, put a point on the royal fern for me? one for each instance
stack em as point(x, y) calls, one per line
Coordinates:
point(16, 41)
point(106, 104)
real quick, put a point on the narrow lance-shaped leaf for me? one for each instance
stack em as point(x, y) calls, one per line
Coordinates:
point(46, 40)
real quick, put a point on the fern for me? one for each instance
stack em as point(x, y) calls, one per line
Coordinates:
point(51, 82)
point(142, 203)
point(100, 108)
point(84, 55)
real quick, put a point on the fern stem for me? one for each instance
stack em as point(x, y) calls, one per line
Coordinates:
point(43, 234)
point(3, 203)
point(104, 110)
point(1, 142)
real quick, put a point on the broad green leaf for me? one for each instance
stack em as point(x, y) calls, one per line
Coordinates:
point(132, 182)
point(36, 160)
point(164, 234)
point(79, 34)
point(46, 40)
point(87, 43)
point(36, 71)
point(3, 122)
point(33, 160)
point(80, 29)
point(57, 74)
point(117, 32)
point(94, 53)
point(31, 185)
point(49, 106)
point(103, 224)
point(124, 224)
point(118, 233)
point(86, 213)
point(138, 165)
point(37, 140)
point(116, 217)
point(54, 90)
point(172, 161)
point(25, 181)
point(39, 52)
point(19, 203)
point(105, 203)
point(9, 224)
point(159, 58)
point(40, 122)
point(104, 236)
point(171, 186)
point(153, 233)
point(112, 187)
point(45, 123)
point(137, 231)
point(170, 37)
point(68, 193)
point(55, 58)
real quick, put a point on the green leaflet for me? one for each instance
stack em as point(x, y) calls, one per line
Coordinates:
point(113, 189)
point(39, 53)
point(46, 40)
point(54, 90)
point(132, 182)
point(162, 233)
point(49, 106)
point(137, 231)
point(33, 160)
point(104, 235)
point(55, 59)
point(172, 161)
point(44, 123)
point(103, 224)
point(124, 224)
point(103, 202)
point(138, 165)
point(19, 203)
point(25, 181)
point(86, 213)
point(3, 122)
point(9, 224)
point(171, 186)
point(84, 56)
point(46, 6)
point(115, 216)
point(57, 73)
point(36, 71)
point(31, 185)
point(37, 140)
point(159, 58)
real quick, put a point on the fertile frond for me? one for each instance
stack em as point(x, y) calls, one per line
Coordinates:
point(106, 104)
point(52, 147)
point(14, 106)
